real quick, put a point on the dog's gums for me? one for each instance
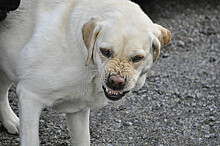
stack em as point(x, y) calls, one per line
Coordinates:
point(113, 95)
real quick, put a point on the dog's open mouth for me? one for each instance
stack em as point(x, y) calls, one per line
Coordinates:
point(113, 95)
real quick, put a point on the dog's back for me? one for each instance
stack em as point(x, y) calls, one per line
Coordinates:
point(17, 30)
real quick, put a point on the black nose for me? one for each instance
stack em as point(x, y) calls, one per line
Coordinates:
point(116, 82)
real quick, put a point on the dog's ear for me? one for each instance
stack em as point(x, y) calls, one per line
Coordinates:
point(90, 30)
point(162, 38)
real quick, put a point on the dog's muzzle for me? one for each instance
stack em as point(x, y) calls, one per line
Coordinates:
point(115, 85)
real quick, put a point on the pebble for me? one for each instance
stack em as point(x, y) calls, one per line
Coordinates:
point(118, 120)
point(212, 59)
point(149, 98)
point(165, 55)
point(128, 124)
point(180, 43)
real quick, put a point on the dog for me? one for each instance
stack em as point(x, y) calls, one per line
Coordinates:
point(73, 56)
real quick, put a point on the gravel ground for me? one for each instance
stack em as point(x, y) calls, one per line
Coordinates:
point(180, 102)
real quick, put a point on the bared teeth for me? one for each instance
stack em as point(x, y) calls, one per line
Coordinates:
point(112, 92)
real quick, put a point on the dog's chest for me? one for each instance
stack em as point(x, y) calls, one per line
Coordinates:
point(70, 105)
point(82, 96)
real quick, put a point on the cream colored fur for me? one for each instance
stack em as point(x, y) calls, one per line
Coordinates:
point(51, 50)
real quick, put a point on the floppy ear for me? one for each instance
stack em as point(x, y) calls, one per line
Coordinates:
point(162, 38)
point(90, 31)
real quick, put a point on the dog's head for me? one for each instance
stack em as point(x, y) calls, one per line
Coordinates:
point(123, 51)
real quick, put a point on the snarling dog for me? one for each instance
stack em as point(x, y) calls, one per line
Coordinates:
point(73, 55)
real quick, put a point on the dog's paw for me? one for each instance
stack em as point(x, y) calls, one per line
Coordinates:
point(11, 123)
point(12, 126)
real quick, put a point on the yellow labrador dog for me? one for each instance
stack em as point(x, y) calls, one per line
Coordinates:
point(73, 55)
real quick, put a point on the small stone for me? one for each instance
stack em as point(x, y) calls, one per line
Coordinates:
point(194, 104)
point(41, 121)
point(136, 121)
point(212, 118)
point(128, 124)
point(149, 98)
point(211, 124)
point(212, 59)
point(118, 120)
point(165, 55)
point(180, 43)
point(218, 99)
point(191, 137)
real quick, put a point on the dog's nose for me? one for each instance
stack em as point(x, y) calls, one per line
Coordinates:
point(116, 82)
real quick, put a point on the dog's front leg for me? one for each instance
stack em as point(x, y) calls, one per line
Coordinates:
point(29, 113)
point(79, 127)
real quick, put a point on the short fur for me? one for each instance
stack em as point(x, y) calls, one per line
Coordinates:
point(51, 50)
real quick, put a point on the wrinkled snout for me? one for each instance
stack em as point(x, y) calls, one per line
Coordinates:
point(116, 82)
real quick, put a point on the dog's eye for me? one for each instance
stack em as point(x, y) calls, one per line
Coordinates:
point(106, 52)
point(137, 59)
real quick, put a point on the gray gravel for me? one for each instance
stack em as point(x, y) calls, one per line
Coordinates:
point(180, 102)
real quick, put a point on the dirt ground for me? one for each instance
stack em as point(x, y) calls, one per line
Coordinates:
point(180, 102)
